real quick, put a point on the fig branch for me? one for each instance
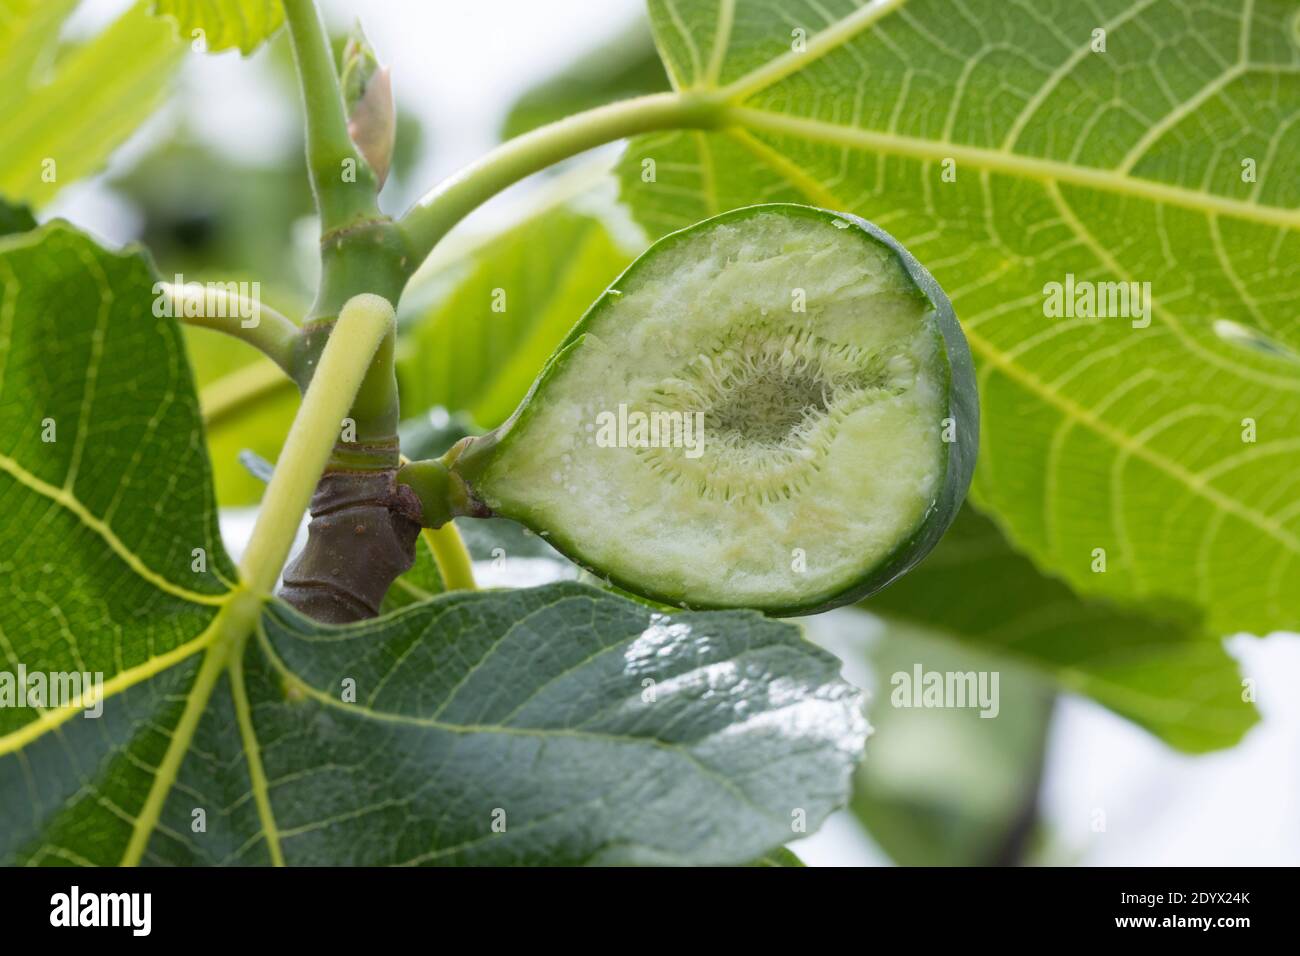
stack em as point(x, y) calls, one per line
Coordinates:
point(363, 529)
point(361, 251)
point(340, 200)
point(365, 520)
point(365, 323)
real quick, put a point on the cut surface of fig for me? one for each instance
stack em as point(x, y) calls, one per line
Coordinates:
point(774, 408)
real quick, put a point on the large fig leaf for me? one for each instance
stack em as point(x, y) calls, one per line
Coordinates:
point(66, 110)
point(1009, 145)
point(223, 24)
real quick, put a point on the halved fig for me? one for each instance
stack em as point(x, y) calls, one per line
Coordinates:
point(774, 408)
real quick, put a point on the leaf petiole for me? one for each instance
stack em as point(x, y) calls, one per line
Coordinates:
point(433, 216)
point(362, 325)
point(451, 556)
point(211, 307)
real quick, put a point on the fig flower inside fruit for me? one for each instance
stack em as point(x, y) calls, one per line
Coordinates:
point(774, 408)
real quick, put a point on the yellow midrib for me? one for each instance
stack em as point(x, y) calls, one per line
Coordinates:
point(721, 40)
point(817, 46)
point(1014, 164)
point(225, 642)
point(732, 96)
point(196, 703)
point(253, 759)
point(123, 680)
point(363, 323)
point(1125, 443)
point(65, 498)
point(222, 641)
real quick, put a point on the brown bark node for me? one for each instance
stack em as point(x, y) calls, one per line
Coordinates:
point(361, 538)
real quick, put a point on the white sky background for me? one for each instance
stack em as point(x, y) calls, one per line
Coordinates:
point(457, 66)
